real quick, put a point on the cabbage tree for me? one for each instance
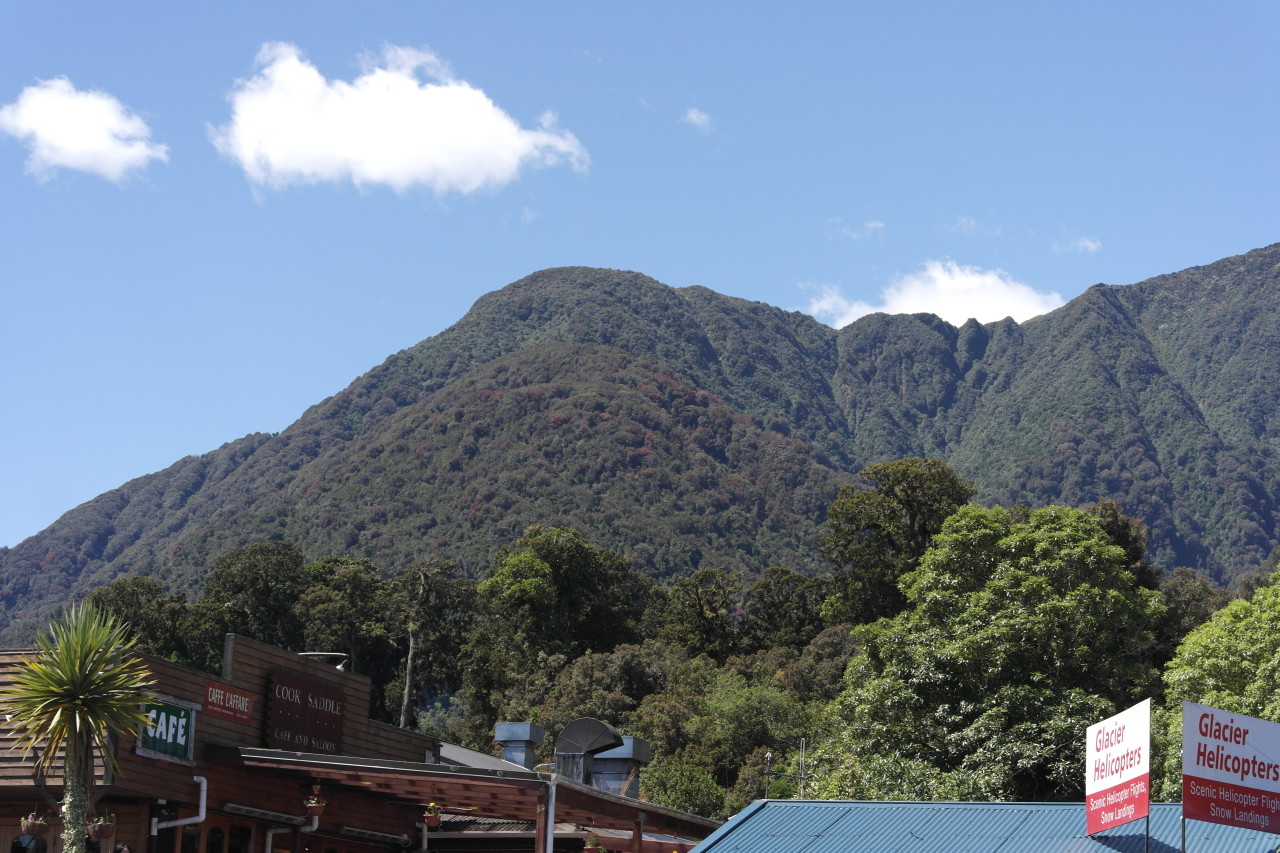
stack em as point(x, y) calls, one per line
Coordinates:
point(82, 687)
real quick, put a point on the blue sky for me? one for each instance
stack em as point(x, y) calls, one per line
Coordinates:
point(215, 215)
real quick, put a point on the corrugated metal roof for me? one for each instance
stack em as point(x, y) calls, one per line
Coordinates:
point(834, 826)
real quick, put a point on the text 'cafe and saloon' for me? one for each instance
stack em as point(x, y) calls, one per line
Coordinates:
point(227, 765)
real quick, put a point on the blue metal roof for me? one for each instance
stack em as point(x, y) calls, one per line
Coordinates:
point(836, 826)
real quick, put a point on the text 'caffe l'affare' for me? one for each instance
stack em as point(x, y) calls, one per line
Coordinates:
point(1230, 768)
point(1117, 779)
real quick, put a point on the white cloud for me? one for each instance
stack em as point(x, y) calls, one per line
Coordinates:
point(699, 120)
point(971, 227)
point(1081, 245)
point(389, 126)
point(952, 291)
point(90, 131)
point(871, 228)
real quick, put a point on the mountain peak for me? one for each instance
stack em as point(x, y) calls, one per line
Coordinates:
point(686, 428)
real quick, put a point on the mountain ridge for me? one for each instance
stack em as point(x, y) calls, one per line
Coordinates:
point(1159, 394)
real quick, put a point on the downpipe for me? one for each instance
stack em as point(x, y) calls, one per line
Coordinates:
point(551, 815)
point(309, 826)
point(157, 824)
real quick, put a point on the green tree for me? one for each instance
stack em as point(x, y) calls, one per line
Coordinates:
point(551, 598)
point(335, 612)
point(156, 619)
point(818, 672)
point(564, 595)
point(1130, 534)
point(341, 609)
point(875, 535)
point(738, 716)
point(251, 591)
point(1245, 584)
point(1190, 599)
point(665, 717)
point(1020, 634)
point(783, 608)
point(431, 614)
point(1231, 662)
point(680, 783)
point(721, 720)
point(700, 613)
point(853, 776)
point(609, 686)
point(82, 688)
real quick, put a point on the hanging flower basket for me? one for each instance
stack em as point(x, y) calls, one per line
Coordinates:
point(35, 824)
point(315, 805)
point(103, 826)
point(431, 816)
point(595, 844)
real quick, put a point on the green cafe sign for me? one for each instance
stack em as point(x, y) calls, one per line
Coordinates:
point(169, 731)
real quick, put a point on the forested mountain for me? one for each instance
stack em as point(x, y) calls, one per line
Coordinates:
point(688, 429)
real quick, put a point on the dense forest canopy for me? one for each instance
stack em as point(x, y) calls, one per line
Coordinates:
point(1011, 631)
point(689, 431)
point(932, 554)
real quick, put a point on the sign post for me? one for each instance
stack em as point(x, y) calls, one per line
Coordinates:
point(1117, 777)
point(1230, 768)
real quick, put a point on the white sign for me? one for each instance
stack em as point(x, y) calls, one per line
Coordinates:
point(1117, 772)
point(1230, 768)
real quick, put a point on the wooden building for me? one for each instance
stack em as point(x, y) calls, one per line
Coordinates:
point(229, 762)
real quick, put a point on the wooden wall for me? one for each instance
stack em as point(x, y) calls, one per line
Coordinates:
point(247, 666)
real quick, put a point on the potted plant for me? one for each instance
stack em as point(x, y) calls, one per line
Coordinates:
point(594, 844)
point(103, 826)
point(431, 815)
point(35, 824)
point(315, 804)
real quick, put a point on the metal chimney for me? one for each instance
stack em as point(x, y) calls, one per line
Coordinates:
point(577, 745)
point(520, 742)
point(618, 770)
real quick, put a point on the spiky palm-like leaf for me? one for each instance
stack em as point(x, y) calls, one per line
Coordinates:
point(80, 688)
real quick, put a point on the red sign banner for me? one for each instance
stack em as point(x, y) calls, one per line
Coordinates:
point(1117, 781)
point(1230, 768)
point(228, 702)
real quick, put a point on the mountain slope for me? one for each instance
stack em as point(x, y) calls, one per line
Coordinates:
point(687, 428)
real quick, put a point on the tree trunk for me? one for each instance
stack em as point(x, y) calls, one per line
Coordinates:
point(414, 608)
point(75, 797)
point(408, 683)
